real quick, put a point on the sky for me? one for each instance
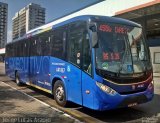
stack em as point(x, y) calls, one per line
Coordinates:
point(54, 8)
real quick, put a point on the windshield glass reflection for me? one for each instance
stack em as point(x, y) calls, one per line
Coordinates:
point(122, 49)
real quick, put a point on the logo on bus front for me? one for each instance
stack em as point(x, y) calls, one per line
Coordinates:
point(133, 87)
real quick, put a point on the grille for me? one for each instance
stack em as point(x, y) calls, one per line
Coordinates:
point(132, 92)
point(126, 79)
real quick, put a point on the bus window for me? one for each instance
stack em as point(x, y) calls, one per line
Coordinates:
point(44, 44)
point(12, 51)
point(33, 47)
point(75, 43)
point(26, 48)
point(58, 46)
point(86, 54)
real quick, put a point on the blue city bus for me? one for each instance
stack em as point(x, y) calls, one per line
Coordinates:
point(98, 62)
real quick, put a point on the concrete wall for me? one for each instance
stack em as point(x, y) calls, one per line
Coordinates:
point(113, 6)
point(156, 67)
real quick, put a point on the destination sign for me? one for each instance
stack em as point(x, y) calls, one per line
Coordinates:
point(114, 29)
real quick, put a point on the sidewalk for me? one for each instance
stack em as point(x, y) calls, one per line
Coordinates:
point(18, 107)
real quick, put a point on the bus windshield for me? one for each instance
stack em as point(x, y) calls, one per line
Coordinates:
point(121, 49)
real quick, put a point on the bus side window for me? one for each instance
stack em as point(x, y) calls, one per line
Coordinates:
point(22, 49)
point(26, 48)
point(44, 44)
point(13, 50)
point(39, 45)
point(75, 43)
point(33, 47)
point(86, 54)
point(8, 50)
point(58, 46)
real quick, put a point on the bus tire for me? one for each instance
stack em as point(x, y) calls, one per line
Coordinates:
point(17, 78)
point(60, 93)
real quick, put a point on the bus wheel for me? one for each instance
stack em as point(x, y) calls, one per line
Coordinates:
point(59, 93)
point(17, 79)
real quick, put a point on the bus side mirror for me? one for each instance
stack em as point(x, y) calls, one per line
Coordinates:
point(94, 36)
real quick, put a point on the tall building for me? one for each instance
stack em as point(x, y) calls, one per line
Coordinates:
point(3, 24)
point(29, 17)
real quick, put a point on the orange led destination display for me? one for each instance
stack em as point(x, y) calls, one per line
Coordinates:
point(114, 29)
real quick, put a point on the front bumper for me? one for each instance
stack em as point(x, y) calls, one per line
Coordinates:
point(103, 101)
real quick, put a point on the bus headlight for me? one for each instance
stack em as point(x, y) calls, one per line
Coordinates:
point(151, 85)
point(105, 88)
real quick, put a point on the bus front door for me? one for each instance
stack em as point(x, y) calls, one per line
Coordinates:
point(74, 69)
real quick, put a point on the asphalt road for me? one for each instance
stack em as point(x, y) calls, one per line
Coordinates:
point(144, 113)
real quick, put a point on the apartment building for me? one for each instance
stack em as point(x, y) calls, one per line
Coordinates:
point(29, 17)
point(3, 24)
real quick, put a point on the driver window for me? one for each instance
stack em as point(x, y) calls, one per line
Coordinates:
point(86, 54)
point(75, 43)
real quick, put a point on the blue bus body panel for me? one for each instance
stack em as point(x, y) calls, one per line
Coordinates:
point(103, 101)
point(71, 76)
point(39, 71)
point(18, 63)
point(42, 70)
point(30, 69)
point(88, 90)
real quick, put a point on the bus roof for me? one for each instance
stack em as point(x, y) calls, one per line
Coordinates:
point(64, 21)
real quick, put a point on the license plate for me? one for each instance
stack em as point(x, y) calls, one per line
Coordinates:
point(132, 104)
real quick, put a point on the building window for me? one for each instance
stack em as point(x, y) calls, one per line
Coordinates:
point(156, 58)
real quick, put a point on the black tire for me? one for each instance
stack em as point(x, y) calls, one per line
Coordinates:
point(17, 79)
point(60, 93)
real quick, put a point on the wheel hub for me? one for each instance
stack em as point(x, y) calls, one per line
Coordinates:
point(60, 93)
